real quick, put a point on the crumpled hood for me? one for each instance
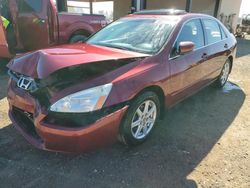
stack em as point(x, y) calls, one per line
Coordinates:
point(40, 64)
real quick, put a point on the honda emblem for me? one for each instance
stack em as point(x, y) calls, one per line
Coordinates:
point(24, 83)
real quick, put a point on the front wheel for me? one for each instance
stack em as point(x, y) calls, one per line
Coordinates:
point(222, 80)
point(141, 118)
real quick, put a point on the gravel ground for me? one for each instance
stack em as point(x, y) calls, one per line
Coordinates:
point(202, 142)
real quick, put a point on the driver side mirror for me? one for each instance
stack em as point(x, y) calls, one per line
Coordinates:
point(186, 46)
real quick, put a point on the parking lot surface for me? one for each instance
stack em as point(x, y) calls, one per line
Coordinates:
point(202, 142)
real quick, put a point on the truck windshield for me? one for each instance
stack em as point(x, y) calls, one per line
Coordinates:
point(144, 35)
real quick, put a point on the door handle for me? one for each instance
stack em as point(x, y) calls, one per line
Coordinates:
point(226, 46)
point(39, 21)
point(42, 21)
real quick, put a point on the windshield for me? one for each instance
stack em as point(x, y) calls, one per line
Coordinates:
point(144, 35)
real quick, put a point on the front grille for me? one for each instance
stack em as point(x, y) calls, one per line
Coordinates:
point(26, 83)
point(25, 121)
point(14, 75)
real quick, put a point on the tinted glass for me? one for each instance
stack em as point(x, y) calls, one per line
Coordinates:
point(191, 31)
point(145, 35)
point(212, 30)
point(26, 6)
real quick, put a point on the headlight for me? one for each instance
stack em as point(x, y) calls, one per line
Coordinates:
point(84, 101)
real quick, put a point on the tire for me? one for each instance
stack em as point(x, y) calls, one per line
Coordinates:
point(78, 38)
point(145, 122)
point(223, 78)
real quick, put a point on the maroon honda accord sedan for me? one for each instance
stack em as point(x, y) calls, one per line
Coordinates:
point(79, 97)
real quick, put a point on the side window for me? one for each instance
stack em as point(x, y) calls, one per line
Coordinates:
point(192, 31)
point(223, 34)
point(212, 31)
point(27, 6)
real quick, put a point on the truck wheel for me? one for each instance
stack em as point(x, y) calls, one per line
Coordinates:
point(78, 38)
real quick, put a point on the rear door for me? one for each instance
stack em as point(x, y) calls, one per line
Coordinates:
point(217, 48)
point(34, 24)
point(186, 69)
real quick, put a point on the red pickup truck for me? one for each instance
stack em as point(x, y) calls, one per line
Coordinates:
point(37, 24)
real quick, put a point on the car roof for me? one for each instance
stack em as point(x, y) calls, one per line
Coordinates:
point(168, 12)
point(161, 12)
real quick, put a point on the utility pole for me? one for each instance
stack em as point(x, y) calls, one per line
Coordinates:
point(188, 5)
point(91, 6)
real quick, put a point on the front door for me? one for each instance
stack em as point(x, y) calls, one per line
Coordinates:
point(186, 69)
point(34, 23)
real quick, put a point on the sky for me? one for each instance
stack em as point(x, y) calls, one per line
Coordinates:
point(245, 7)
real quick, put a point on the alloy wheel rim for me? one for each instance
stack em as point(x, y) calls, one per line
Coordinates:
point(144, 119)
point(225, 73)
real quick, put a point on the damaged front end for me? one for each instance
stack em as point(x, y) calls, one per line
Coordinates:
point(68, 80)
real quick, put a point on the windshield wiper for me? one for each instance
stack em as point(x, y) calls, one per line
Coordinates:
point(122, 48)
point(114, 46)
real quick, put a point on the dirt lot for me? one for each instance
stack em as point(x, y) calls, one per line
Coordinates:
point(202, 142)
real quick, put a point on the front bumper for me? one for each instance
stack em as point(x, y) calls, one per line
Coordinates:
point(29, 120)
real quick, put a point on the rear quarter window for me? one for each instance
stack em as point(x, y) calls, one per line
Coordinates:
point(26, 6)
point(212, 30)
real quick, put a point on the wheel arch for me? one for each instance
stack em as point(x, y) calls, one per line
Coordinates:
point(231, 59)
point(159, 92)
point(80, 32)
